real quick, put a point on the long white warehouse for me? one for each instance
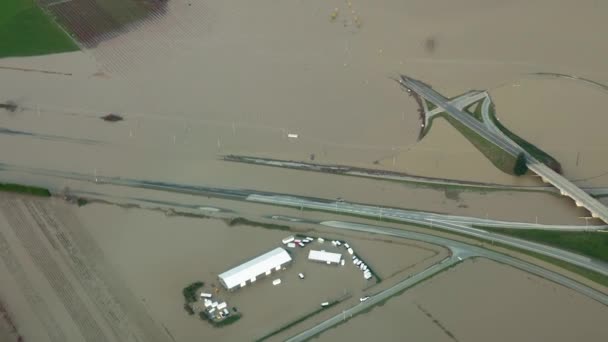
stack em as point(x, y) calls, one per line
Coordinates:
point(252, 269)
point(323, 256)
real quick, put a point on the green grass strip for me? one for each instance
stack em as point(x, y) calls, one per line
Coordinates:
point(536, 152)
point(592, 244)
point(497, 156)
point(26, 30)
point(25, 189)
point(294, 322)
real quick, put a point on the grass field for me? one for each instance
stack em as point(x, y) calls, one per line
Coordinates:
point(499, 157)
point(593, 244)
point(25, 30)
point(24, 189)
point(536, 152)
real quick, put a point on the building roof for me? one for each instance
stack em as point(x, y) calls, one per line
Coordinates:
point(324, 256)
point(255, 267)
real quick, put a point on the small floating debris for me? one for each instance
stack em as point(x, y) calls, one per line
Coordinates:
point(112, 117)
point(9, 106)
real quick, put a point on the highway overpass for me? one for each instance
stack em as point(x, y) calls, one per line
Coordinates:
point(566, 188)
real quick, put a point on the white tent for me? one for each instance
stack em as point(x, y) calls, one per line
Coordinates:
point(261, 265)
point(323, 256)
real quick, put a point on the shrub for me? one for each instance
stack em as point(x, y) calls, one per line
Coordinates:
point(520, 165)
point(189, 291)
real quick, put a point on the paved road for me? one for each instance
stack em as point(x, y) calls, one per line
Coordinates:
point(460, 251)
point(451, 223)
point(461, 101)
point(581, 198)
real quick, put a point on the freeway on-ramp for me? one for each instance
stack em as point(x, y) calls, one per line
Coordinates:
point(567, 188)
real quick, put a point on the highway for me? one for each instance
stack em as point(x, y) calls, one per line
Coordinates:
point(460, 251)
point(461, 101)
point(567, 188)
point(458, 224)
point(451, 223)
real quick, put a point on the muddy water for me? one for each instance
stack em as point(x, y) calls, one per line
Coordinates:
point(481, 301)
point(158, 255)
point(142, 149)
point(565, 118)
point(226, 80)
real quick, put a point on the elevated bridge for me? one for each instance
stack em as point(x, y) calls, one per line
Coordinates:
point(566, 188)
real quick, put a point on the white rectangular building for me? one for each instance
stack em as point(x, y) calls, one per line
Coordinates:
point(252, 269)
point(326, 257)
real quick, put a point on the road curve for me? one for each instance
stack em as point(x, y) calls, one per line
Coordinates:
point(433, 221)
point(567, 188)
point(460, 251)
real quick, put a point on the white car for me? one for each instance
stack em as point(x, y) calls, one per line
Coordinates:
point(363, 299)
point(301, 275)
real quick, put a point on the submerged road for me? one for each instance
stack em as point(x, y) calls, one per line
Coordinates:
point(396, 176)
point(460, 251)
point(567, 188)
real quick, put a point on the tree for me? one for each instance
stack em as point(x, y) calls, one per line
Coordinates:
point(521, 166)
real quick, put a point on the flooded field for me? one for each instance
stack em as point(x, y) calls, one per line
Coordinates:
point(197, 80)
point(142, 150)
point(334, 89)
point(196, 245)
point(481, 301)
point(125, 269)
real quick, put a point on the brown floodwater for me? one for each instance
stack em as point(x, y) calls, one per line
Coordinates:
point(141, 243)
point(481, 300)
point(564, 117)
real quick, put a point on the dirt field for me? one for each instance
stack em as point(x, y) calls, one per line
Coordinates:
point(54, 266)
point(481, 301)
point(103, 273)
